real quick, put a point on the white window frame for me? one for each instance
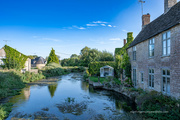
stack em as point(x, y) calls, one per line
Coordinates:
point(166, 76)
point(151, 78)
point(166, 43)
point(151, 47)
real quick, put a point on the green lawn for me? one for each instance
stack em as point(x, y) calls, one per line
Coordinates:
point(102, 80)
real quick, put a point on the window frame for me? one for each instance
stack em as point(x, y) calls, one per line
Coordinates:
point(151, 43)
point(151, 86)
point(166, 76)
point(142, 77)
point(134, 53)
point(167, 46)
point(134, 75)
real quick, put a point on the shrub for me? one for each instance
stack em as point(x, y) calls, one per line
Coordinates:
point(155, 101)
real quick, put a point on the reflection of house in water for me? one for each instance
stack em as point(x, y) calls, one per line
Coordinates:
point(24, 96)
point(52, 89)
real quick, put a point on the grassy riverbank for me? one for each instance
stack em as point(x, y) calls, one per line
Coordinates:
point(105, 80)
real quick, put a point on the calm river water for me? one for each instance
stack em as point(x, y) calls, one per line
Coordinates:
point(69, 98)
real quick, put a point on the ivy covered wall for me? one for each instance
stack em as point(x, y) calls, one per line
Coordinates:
point(14, 59)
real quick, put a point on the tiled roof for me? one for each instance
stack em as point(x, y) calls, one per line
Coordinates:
point(162, 23)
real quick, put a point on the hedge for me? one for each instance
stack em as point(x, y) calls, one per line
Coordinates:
point(94, 67)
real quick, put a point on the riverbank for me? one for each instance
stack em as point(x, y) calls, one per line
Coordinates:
point(151, 105)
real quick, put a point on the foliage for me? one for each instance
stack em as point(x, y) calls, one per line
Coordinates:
point(86, 56)
point(155, 101)
point(5, 109)
point(94, 67)
point(14, 59)
point(86, 74)
point(52, 69)
point(12, 81)
point(53, 57)
point(105, 80)
point(117, 51)
point(126, 65)
point(122, 59)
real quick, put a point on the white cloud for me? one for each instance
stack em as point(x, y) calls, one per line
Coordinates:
point(98, 22)
point(81, 28)
point(124, 30)
point(91, 24)
point(109, 25)
point(114, 26)
point(115, 39)
point(103, 24)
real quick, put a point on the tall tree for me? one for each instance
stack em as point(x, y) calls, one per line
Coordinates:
point(53, 57)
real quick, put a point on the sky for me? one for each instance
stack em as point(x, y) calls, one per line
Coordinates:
point(37, 26)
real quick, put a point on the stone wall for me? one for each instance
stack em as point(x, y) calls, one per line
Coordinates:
point(158, 62)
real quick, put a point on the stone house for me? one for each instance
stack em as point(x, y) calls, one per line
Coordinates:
point(155, 52)
point(38, 62)
point(27, 63)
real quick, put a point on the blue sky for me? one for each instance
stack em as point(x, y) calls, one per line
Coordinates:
point(35, 26)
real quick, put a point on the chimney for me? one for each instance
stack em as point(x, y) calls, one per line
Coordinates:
point(168, 4)
point(124, 42)
point(145, 20)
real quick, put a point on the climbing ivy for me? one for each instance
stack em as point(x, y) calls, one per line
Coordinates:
point(14, 59)
point(121, 57)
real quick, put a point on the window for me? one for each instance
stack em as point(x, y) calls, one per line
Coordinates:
point(142, 77)
point(167, 43)
point(134, 77)
point(151, 47)
point(134, 53)
point(151, 78)
point(166, 81)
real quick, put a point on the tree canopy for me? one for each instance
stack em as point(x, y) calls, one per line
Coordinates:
point(53, 57)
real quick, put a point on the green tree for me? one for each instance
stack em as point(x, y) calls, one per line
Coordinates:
point(53, 57)
point(106, 56)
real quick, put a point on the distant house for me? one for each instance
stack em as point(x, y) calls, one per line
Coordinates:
point(38, 62)
point(155, 52)
point(106, 71)
point(3, 56)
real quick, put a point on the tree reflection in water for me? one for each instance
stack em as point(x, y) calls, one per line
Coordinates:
point(52, 89)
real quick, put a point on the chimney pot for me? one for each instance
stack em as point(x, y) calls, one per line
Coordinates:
point(145, 20)
point(124, 42)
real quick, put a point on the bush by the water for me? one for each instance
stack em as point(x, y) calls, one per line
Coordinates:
point(154, 101)
point(52, 69)
point(12, 81)
point(5, 109)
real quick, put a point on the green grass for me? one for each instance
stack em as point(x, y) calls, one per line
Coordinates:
point(104, 80)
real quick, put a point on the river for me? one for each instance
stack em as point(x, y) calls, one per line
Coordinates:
point(68, 98)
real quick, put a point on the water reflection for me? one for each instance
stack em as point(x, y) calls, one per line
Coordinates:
point(85, 86)
point(24, 96)
point(52, 89)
